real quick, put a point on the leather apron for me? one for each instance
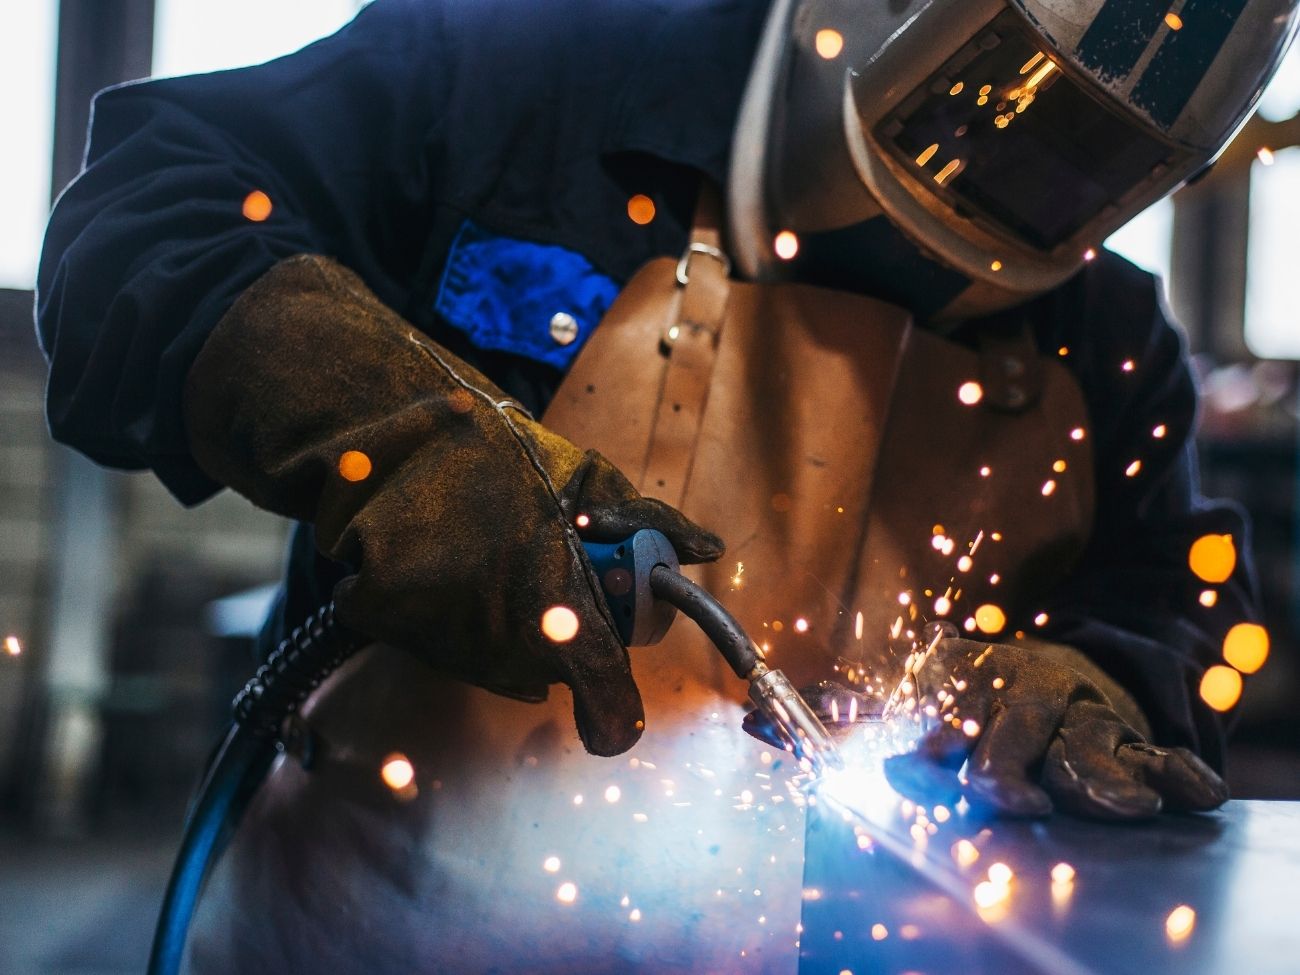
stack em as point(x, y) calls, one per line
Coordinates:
point(866, 475)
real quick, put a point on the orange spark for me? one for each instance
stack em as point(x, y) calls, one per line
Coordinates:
point(560, 624)
point(397, 772)
point(1179, 923)
point(640, 209)
point(1213, 558)
point(829, 43)
point(990, 894)
point(257, 206)
point(990, 618)
point(965, 853)
point(354, 466)
point(1221, 687)
point(1246, 647)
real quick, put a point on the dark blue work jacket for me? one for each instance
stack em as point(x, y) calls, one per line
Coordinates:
point(473, 160)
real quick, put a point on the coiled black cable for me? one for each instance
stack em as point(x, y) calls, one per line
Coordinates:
point(293, 670)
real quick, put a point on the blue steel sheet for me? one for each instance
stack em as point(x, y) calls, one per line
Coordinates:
point(884, 896)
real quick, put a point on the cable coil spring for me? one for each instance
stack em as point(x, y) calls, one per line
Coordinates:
point(292, 671)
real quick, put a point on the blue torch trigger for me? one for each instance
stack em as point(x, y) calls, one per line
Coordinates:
point(623, 569)
point(643, 585)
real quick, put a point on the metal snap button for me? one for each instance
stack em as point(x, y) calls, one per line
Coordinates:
point(564, 328)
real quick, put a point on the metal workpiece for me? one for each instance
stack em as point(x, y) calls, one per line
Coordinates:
point(1185, 894)
point(796, 722)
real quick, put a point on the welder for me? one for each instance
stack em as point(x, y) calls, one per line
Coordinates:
point(821, 278)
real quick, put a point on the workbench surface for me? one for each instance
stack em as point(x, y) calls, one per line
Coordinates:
point(884, 896)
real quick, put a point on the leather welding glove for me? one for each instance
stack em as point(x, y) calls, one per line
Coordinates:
point(454, 508)
point(1049, 728)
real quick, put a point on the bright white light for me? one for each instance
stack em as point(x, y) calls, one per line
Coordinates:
point(1147, 239)
point(1271, 257)
point(27, 41)
point(1281, 99)
point(191, 37)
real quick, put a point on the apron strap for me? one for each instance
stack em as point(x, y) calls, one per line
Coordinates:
point(691, 345)
point(1011, 368)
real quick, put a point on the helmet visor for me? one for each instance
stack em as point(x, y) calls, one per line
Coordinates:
point(1001, 133)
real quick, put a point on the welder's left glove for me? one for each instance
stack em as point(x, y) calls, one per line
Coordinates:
point(1043, 726)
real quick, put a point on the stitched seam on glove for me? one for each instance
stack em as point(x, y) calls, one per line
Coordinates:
point(500, 407)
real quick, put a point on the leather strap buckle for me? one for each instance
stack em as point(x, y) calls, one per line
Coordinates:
point(683, 265)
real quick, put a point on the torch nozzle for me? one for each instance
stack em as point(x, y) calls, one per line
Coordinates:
point(796, 723)
point(770, 690)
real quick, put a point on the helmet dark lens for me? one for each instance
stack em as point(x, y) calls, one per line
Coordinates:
point(1002, 133)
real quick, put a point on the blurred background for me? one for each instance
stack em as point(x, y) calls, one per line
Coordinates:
point(122, 615)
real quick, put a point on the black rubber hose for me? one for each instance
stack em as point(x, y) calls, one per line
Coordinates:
point(293, 670)
point(710, 615)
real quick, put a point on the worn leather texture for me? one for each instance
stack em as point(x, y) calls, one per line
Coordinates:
point(829, 441)
point(460, 527)
point(1040, 727)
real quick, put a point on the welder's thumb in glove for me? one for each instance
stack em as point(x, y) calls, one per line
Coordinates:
point(454, 508)
point(1040, 725)
point(614, 510)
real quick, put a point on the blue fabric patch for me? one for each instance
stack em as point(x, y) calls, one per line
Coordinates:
point(503, 293)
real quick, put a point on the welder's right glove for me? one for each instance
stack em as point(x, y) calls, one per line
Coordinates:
point(1043, 726)
point(456, 509)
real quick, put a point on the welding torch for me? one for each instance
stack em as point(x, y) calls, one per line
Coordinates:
point(641, 580)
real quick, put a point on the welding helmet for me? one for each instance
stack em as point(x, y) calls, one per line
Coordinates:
point(961, 156)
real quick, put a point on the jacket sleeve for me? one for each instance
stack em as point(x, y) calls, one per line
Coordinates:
point(1133, 603)
point(150, 245)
